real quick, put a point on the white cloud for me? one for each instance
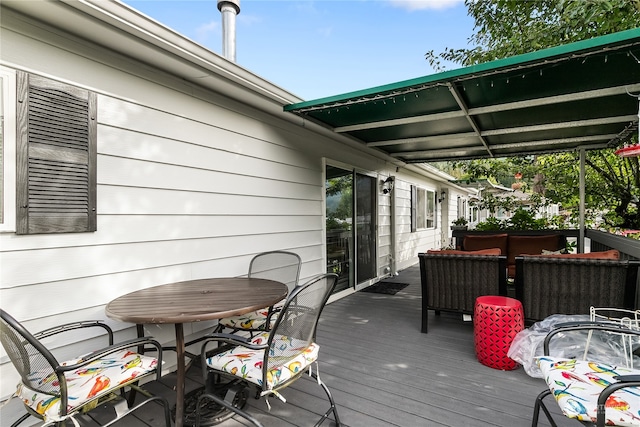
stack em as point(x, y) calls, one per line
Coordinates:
point(205, 30)
point(325, 31)
point(412, 5)
point(308, 7)
point(248, 20)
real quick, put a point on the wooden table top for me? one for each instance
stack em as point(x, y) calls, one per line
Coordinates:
point(196, 300)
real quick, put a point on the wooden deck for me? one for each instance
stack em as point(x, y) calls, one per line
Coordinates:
point(383, 372)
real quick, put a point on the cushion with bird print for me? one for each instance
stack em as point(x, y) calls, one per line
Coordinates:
point(576, 385)
point(87, 383)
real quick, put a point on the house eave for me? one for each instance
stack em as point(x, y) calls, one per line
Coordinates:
point(120, 28)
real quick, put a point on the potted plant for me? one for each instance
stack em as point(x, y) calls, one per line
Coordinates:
point(459, 223)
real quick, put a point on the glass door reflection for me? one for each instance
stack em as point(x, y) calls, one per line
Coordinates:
point(339, 224)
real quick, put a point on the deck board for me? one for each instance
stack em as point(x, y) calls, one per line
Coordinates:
point(383, 372)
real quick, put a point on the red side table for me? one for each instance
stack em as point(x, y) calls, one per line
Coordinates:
point(496, 322)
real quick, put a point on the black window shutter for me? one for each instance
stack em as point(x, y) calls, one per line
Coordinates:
point(414, 204)
point(56, 157)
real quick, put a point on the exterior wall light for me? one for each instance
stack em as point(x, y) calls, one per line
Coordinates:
point(387, 185)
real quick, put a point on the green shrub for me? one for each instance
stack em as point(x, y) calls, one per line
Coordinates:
point(522, 219)
point(490, 224)
point(460, 221)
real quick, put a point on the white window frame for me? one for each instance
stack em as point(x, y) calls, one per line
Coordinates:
point(423, 197)
point(8, 159)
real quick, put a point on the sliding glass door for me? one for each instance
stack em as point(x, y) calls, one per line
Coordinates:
point(365, 227)
point(351, 249)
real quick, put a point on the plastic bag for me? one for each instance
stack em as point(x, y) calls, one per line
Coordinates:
point(529, 343)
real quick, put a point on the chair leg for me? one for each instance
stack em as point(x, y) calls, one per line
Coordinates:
point(425, 321)
point(331, 401)
point(131, 396)
point(21, 419)
point(536, 410)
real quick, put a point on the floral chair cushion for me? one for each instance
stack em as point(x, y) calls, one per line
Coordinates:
point(90, 382)
point(253, 320)
point(247, 364)
point(576, 384)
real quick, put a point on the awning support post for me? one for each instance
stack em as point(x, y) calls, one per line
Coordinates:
point(582, 201)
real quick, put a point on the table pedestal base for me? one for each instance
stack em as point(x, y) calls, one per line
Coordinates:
point(210, 412)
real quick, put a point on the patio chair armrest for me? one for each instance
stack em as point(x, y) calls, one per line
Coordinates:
point(273, 311)
point(624, 381)
point(627, 378)
point(588, 326)
point(232, 339)
point(95, 355)
point(585, 323)
point(73, 326)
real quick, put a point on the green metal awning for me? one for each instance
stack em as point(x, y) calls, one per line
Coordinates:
point(583, 94)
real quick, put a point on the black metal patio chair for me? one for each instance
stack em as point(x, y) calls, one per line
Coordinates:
point(589, 391)
point(271, 361)
point(281, 266)
point(57, 391)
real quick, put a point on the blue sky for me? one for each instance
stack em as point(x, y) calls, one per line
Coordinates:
point(321, 48)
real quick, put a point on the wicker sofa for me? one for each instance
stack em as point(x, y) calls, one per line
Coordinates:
point(549, 285)
point(451, 281)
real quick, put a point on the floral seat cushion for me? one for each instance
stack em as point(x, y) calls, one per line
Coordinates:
point(253, 320)
point(247, 364)
point(576, 384)
point(90, 382)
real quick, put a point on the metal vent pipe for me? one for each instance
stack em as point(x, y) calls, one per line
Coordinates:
point(229, 9)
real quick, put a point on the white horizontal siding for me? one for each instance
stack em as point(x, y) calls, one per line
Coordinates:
point(122, 200)
point(409, 244)
point(99, 260)
point(139, 173)
point(384, 233)
point(165, 137)
point(80, 291)
point(126, 217)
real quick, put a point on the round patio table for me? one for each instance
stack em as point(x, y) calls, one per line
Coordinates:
point(194, 301)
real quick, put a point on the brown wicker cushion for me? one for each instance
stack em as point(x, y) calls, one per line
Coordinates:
point(491, 251)
point(611, 254)
point(531, 245)
point(474, 243)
